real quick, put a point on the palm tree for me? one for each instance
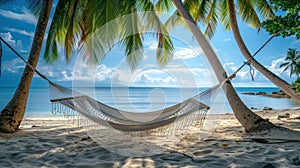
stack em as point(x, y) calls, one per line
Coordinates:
point(283, 85)
point(12, 114)
point(293, 62)
point(249, 120)
point(208, 12)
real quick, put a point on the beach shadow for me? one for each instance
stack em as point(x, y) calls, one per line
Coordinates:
point(64, 146)
point(54, 146)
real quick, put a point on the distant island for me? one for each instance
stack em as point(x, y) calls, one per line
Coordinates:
point(279, 94)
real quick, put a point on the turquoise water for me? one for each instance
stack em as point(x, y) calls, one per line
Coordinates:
point(141, 99)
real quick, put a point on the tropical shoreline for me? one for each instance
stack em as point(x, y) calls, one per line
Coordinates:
point(56, 142)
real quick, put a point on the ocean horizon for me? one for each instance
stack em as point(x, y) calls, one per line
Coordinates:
point(143, 99)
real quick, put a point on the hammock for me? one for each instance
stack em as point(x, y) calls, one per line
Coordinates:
point(128, 133)
point(69, 102)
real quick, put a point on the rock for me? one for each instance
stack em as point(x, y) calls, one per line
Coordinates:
point(267, 108)
point(261, 93)
point(286, 115)
point(85, 138)
point(279, 94)
point(253, 108)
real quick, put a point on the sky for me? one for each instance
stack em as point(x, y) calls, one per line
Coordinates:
point(188, 68)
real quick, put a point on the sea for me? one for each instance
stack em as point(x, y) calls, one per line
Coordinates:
point(143, 99)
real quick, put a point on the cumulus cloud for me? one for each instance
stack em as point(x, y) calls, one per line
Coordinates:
point(84, 73)
point(25, 16)
point(152, 76)
point(187, 53)
point(9, 39)
point(275, 67)
point(230, 66)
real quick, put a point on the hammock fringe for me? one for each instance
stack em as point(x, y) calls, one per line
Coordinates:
point(95, 116)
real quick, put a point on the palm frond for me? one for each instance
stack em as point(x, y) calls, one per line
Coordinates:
point(72, 29)
point(164, 5)
point(202, 10)
point(96, 15)
point(165, 49)
point(130, 34)
point(152, 23)
point(247, 12)
point(57, 32)
point(224, 12)
point(51, 52)
point(264, 8)
point(175, 19)
point(283, 64)
point(211, 19)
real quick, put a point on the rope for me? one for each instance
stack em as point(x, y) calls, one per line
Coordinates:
point(26, 62)
point(248, 62)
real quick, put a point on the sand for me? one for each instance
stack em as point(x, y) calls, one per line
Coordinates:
point(55, 142)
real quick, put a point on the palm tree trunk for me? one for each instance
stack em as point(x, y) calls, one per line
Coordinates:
point(283, 85)
point(249, 120)
point(13, 113)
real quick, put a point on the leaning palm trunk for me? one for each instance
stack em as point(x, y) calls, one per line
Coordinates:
point(249, 120)
point(283, 85)
point(13, 113)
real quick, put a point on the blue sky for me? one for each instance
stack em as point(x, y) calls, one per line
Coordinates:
point(188, 67)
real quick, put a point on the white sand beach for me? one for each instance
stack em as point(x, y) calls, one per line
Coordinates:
point(55, 142)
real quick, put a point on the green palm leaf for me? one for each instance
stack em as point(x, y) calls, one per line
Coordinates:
point(165, 46)
point(248, 14)
point(224, 14)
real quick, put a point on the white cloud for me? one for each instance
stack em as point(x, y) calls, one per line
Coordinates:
point(187, 53)
point(242, 75)
point(46, 70)
point(103, 73)
point(152, 76)
point(9, 39)
point(26, 15)
point(275, 67)
point(14, 65)
point(23, 32)
point(85, 73)
point(65, 76)
point(230, 66)
point(227, 39)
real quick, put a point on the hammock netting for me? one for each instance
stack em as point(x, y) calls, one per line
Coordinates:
point(106, 124)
